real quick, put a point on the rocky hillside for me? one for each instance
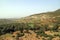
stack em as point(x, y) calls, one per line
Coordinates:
point(38, 18)
point(42, 26)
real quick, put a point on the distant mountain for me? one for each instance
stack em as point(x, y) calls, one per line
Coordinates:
point(6, 21)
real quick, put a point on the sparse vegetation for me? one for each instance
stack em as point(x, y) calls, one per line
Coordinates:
point(44, 26)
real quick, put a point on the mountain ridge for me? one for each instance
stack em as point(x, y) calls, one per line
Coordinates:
point(36, 17)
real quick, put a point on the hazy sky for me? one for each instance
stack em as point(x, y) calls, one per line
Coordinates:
point(21, 8)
